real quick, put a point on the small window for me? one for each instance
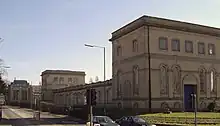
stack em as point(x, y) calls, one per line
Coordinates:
point(70, 80)
point(211, 49)
point(175, 45)
point(188, 46)
point(201, 48)
point(75, 80)
point(119, 51)
point(55, 79)
point(135, 46)
point(61, 80)
point(163, 43)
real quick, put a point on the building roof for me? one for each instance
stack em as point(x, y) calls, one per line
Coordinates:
point(84, 86)
point(63, 72)
point(165, 23)
point(19, 82)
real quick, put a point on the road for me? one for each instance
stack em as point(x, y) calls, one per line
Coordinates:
point(14, 116)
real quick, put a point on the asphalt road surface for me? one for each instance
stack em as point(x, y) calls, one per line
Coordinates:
point(14, 116)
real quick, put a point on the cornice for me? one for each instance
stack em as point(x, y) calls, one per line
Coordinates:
point(83, 87)
point(167, 24)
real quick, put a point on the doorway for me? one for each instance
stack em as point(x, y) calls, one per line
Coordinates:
point(188, 99)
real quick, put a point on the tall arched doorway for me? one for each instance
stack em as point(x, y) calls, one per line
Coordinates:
point(190, 87)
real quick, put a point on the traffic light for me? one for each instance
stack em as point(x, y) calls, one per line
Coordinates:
point(93, 98)
point(88, 96)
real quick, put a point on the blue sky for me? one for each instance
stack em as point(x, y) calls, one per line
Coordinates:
point(50, 34)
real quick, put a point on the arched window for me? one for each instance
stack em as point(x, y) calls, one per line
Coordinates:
point(99, 96)
point(74, 99)
point(107, 95)
point(176, 79)
point(202, 78)
point(119, 105)
point(135, 80)
point(135, 45)
point(127, 88)
point(77, 99)
point(164, 79)
point(164, 105)
point(135, 105)
point(118, 84)
point(213, 81)
point(67, 99)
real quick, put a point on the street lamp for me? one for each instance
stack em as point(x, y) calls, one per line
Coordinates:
point(6, 67)
point(1, 40)
point(102, 47)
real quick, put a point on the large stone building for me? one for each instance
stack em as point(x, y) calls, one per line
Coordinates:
point(19, 93)
point(76, 95)
point(55, 79)
point(175, 59)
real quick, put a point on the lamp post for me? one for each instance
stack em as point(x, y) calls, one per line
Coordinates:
point(195, 107)
point(1, 40)
point(101, 47)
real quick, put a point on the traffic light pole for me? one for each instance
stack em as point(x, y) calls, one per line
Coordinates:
point(91, 116)
point(90, 104)
point(91, 101)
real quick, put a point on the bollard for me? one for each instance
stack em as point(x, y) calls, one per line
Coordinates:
point(36, 115)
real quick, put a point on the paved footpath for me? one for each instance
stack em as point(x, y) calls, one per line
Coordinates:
point(21, 117)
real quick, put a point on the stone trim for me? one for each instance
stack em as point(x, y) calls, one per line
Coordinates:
point(157, 69)
point(66, 72)
point(167, 24)
point(169, 57)
point(145, 99)
point(162, 99)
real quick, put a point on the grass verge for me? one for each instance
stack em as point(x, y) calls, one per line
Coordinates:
point(187, 118)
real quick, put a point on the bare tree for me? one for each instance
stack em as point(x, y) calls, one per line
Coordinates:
point(3, 68)
point(3, 86)
point(96, 79)
point(90, 80)
point(3, 82)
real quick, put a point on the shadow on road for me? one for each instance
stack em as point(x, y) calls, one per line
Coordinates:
point(44, 121)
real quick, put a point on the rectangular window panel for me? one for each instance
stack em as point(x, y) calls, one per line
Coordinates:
point(201, 48)
point(189, 46)
point(163, 43)
point(175, 45)
point(211, 49)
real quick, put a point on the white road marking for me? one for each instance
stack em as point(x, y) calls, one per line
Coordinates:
point(4, 115)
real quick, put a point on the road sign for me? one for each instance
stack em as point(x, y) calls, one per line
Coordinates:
point(2, 99)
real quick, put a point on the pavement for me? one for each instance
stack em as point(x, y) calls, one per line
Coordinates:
point(15, 116)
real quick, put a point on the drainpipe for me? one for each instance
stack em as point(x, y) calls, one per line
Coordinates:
point(149, 69)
